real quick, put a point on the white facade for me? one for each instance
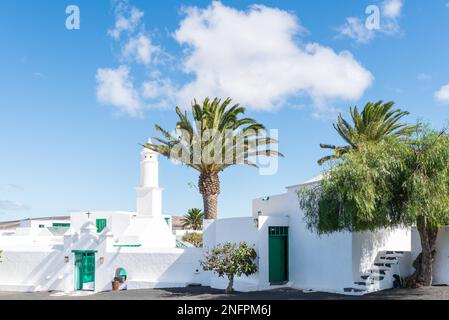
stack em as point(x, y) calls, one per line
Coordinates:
point(41, 254)
point(92, 248)
point(329, 263)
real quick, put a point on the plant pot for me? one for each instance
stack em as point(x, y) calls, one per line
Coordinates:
point(115, 285)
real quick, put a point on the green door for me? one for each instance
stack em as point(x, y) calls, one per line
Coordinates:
point(78, 271)
point(84, 270)
point(88, 268)
point(278, 254)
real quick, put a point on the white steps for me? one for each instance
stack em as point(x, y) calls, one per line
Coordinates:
point(379, 276)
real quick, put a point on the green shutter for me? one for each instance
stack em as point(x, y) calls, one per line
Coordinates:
point(101, 224)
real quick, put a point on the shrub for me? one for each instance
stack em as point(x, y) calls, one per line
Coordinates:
point(194, 238)
point(232, 260)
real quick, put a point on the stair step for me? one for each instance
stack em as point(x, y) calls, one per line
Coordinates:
point(381, 264)
point(388, 258)
point(353, 290)
point(378, 271)
point(363, 283)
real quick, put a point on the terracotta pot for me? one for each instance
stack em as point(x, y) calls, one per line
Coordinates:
point(115, 285)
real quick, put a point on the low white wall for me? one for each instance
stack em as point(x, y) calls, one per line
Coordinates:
point(366, 246)
point(44, 268)
point(441, 262)
point(148, 269)
point(33, 270)
point(234, 230)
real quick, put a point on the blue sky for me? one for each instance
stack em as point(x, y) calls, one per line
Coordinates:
point(75, 104)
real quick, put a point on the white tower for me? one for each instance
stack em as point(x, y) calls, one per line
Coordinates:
point(149, 195)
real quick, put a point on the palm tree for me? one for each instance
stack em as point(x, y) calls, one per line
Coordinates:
point(193, 219)
point(217, 139)
point(374, 123)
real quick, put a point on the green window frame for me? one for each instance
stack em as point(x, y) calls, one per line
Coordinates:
point(278, 231)
point(60, 225)
point(101, 224)
point(127, 245)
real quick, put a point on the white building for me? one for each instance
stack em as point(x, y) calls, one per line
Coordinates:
point(92, 248)
point(290, 255)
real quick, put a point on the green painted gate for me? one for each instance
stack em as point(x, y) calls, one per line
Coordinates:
point(278, 254)
point(84, 269)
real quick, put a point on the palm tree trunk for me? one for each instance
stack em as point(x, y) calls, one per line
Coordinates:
point(209, 186)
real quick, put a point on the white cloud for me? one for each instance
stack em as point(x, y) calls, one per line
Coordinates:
point(442, 95)
point(424, 77)
point(252, 56)
point(355, 29)
point(140, 49)
point(153, 90)
point(9, 205)
point(115, 87)
point(127, 20)
point(392, 8)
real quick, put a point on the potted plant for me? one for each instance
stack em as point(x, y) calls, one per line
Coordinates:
point(115, 284)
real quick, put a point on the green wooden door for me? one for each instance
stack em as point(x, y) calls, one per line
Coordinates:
point(78, 271)
point(278, 254)
point(88, 267)
point(84, 270)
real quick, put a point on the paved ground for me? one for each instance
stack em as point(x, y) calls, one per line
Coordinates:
point(205, 293)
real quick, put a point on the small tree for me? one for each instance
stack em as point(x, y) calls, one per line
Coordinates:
point(193, 219)
point(194, 238)
point(231, 260)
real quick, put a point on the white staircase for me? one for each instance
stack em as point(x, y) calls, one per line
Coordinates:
point(380, 275)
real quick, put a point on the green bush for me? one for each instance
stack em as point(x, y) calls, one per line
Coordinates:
point(194, 238)
point(232, 260)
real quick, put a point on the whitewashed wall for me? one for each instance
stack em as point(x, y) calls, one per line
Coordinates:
point(366, 245)
point(43, 267)
point(315, 262)
point(32, 269)
point(164, 268)
point(234, 230)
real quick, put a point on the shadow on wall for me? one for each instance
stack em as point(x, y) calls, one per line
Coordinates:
point(157, 268)
point(367, 245)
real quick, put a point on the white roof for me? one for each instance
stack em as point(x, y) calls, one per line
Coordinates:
point(314, 180)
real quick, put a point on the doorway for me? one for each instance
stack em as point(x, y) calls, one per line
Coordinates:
point(84, 270)
point(278, 255)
